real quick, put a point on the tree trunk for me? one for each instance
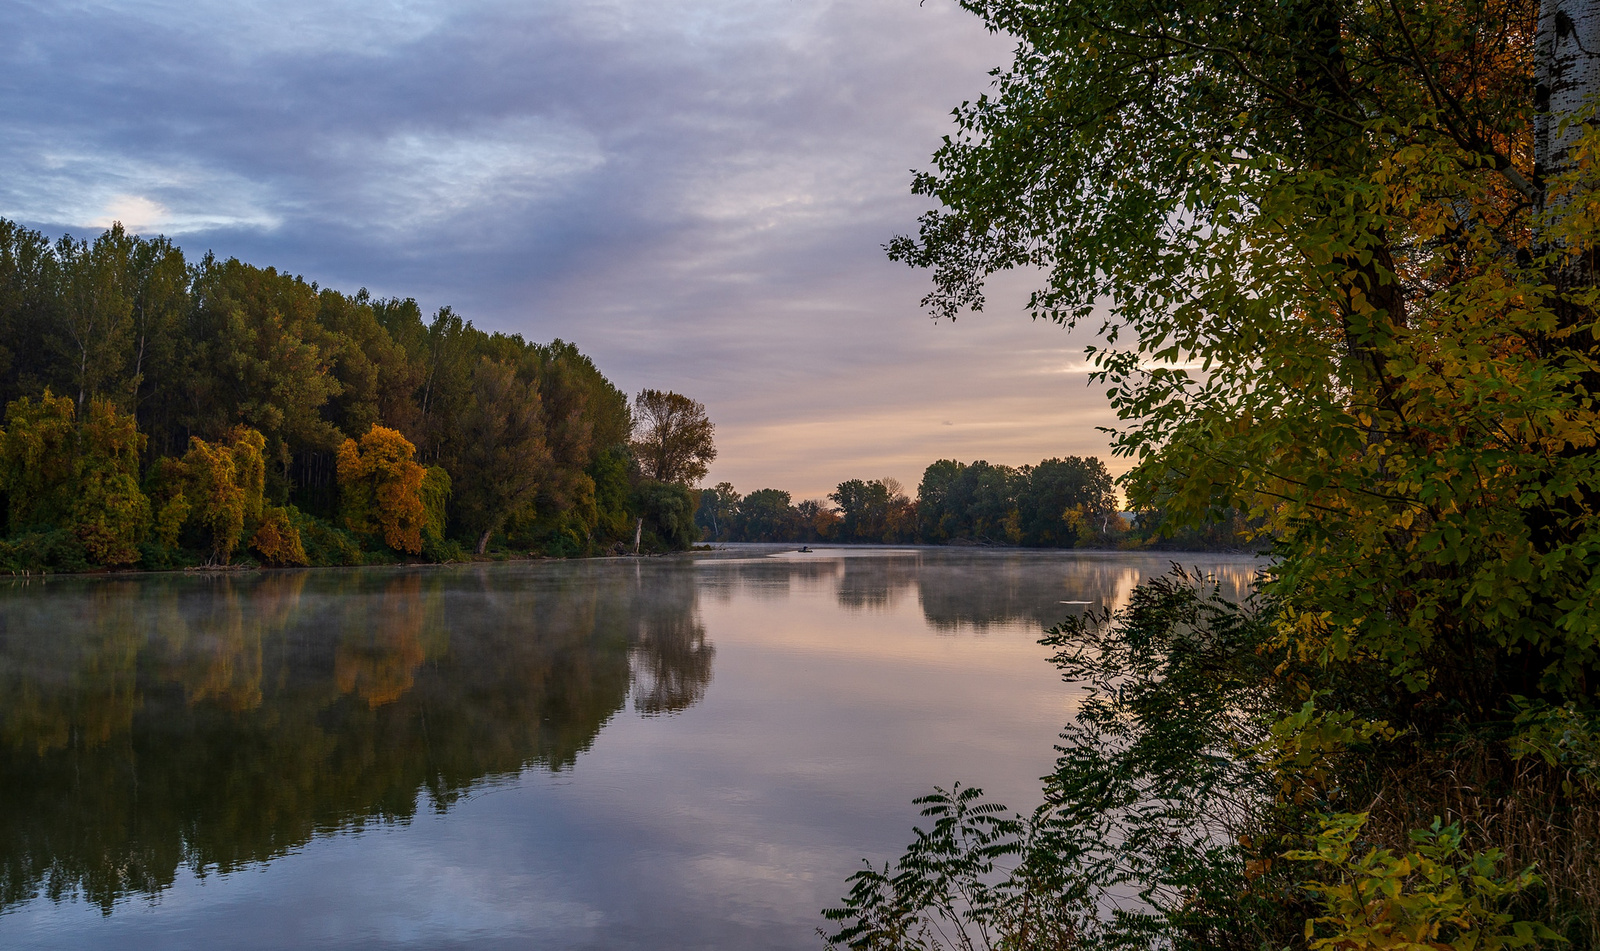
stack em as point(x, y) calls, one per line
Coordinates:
point(483, 541)
point(1567, 76)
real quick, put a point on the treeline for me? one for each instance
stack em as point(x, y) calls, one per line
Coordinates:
point(1059, 503)
point(161, 412)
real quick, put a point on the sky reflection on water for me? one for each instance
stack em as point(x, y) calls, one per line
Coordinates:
point(608, 754)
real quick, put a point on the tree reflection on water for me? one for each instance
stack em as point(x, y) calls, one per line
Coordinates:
point(210, 722)
point(157, 723)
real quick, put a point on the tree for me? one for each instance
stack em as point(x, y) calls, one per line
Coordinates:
point(503, 459)
point(39, 461)
point(818, 520)
point(1057, 486)
point(1343, 259)
point(221, 489)
point(110, 514)
point(718, 512)
point(938, 521)
point(265, 361)
point(277, 540)
point(667, 509)
point(380, 488)
point(863, 509)
point(765, 515)
point(672, 437)
point(1252, 192)
point(95, 317)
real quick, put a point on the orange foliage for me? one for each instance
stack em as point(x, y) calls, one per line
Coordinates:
point(277, 540)
point(380, 488)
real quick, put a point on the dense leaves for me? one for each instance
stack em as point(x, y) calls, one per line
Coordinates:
point(1342, 258)
point(169, 370)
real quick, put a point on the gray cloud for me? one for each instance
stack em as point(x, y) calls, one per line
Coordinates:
point(694, 192)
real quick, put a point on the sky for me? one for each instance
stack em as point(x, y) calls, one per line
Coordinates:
point(695, 192)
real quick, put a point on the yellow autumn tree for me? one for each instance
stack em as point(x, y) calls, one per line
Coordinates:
point(38, 460)
point(222, 487)
point(110, 515)
point(84, 478)
point(277, 539)
point(380, 488)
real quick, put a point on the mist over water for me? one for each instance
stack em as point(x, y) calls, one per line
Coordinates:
point(679, 752)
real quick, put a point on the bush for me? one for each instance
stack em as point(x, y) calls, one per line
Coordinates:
point(324, 544)
point(439, 549)
point(55, 550)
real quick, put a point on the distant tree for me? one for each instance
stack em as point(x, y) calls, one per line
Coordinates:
point(937, 519)
point(818, 520)
point(863, 509)
point(1056, 487)
point(672, 437)
point(380, 488)
point(718, 512)
point(765, 515)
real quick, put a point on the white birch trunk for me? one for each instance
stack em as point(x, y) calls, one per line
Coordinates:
point(1567, 77)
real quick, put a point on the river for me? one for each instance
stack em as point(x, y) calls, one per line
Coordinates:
point(682, 752)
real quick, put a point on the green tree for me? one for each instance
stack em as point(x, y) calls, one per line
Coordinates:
point(863, 510)
point(1343, 259)
point(718, 513)
point(94, 314)
point(673, 437)
point(263, 359)
point(39, 461)
point(765, 515)
point(938, 520)
point(110, 515)
point(1057, 486)
point(504, 458)
point(667, 510)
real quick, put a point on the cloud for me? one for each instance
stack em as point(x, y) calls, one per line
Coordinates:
point(696, 192)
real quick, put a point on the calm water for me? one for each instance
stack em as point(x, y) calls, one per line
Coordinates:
point(668, 753)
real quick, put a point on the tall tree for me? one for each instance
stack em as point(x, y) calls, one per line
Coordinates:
point(94, 319)
point(673, 437)
point(863, 509)
point(504, 458)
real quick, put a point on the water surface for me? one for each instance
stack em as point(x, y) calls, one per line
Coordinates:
point(662, 753)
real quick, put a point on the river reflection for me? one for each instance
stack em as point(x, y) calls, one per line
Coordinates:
point(158, 728)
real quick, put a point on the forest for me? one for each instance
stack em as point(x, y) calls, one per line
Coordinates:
point(164, 413)
point(1058, 503)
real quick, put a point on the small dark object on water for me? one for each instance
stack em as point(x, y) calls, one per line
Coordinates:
point(805, 548)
